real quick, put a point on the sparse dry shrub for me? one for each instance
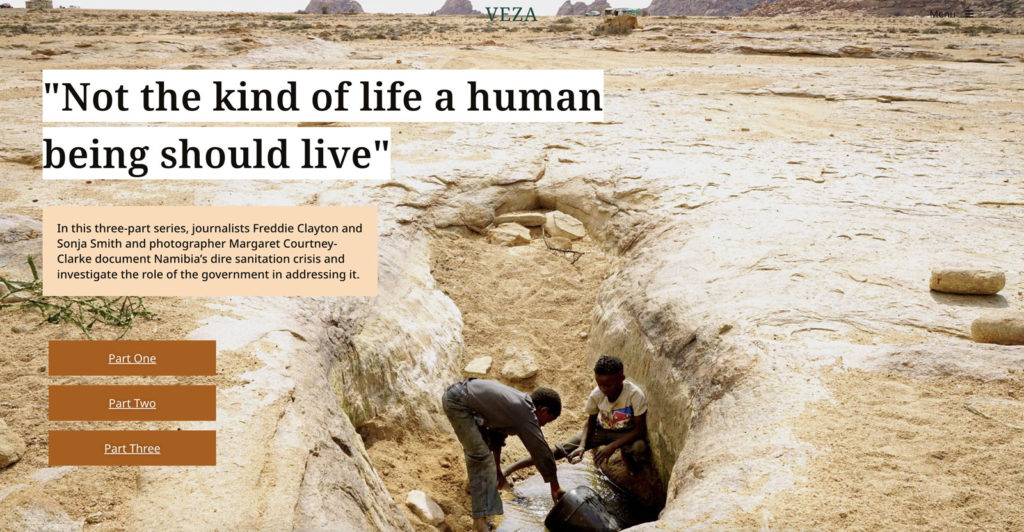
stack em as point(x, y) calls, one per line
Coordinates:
point(620, 25)
point(982, 28)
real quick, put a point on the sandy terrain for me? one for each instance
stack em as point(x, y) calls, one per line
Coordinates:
point(906, 454)
point(80, 491)
point(738, 101)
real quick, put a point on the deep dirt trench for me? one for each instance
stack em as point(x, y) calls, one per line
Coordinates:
point(526, 298)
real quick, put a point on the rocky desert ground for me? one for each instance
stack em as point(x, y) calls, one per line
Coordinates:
point(763, 204)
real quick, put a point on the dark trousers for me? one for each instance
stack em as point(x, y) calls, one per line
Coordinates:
point(483, 474)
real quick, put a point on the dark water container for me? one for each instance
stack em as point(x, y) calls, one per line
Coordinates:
point(581, 510)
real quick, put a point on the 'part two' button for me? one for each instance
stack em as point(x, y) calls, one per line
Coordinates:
point(133, 403)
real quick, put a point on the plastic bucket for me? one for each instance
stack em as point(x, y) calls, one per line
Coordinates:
point(581, 510)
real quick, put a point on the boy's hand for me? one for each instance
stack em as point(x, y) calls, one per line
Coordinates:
point(576, 456)
point(603, 453)
point(556, 492)
point(502, 481)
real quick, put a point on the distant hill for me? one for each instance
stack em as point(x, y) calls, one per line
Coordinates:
point(581, 8)
point(334, 6)
point(569, 9)
point(457, 7)
point(890, 8)
point(700, 7)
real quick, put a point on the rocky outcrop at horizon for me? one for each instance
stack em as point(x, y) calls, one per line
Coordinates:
point(457, 7)
point(570, 9)
point(328, 7)
point(887, 8)
point(581, 8)
point(700, 7)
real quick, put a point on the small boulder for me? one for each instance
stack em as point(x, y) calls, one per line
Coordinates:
point(479, 366)
point(557, 223)
point(1006, 328)
point(424, 507)
point(509, 234)
point(526, 218)
point(17, 228)
point(12, 447)
point(519, 365)
point(558, 242)
point(963, 281)
point(476, 218)
point(365, 56)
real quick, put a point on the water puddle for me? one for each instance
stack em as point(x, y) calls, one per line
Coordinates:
point(529, 503)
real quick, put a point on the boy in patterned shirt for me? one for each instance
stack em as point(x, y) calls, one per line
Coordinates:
point(616, 419)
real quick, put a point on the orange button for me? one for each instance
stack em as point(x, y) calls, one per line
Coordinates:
point(133, 403)
point(133, 447)
point(133, 357)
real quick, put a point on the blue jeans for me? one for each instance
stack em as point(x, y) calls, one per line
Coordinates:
point(483, 474)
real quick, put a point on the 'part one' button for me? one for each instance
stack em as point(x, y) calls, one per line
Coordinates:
point(133, 357)
point(133, 403)
point(133, 447)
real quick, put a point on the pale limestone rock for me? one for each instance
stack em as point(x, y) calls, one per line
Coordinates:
point(424, 507)
point(1006, 328)
point(527, 218)
point(559, 242)
point(365, 56)
point(39, 517)
point(967, 281)
point(476, 218)
point(16, 228)
point(10, 490)
point(479, 366)
point(48, 474)
point(509, 234)
point(519, 365)
point(558, 223)
point(20, 236)
point(12, 446)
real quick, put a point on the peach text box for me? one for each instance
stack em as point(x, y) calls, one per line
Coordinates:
point(210, 251)
point(132, 357)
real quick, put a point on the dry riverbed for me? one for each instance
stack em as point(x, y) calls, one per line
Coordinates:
point(793, 179)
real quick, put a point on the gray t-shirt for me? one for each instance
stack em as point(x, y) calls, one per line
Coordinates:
point(509, 411)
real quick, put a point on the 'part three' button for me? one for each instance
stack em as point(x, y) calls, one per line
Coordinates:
point(133, 447)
